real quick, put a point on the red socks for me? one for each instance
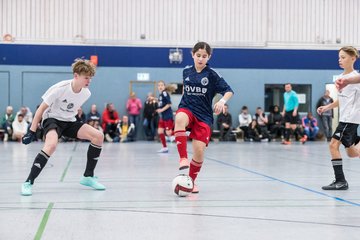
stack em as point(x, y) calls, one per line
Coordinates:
point(162, 139)
point(194, 169)
point(181, 141)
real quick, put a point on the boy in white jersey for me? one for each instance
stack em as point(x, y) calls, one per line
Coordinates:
point(57, 112)
point(349, 104)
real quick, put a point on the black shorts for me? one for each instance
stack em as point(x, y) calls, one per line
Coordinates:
point(346, 133)
point(67, 129)
point(289, 118)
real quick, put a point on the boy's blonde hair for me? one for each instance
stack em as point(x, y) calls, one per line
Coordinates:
point(84, 67)
point(351, 51)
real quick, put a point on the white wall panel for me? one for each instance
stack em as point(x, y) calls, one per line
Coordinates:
point(182, 22)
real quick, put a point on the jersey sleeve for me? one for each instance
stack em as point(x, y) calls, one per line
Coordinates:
point(296, 100)
point(221, 86)
point(51, 95)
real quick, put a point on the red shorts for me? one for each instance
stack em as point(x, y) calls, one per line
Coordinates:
point(167, 124)
point(198, 130)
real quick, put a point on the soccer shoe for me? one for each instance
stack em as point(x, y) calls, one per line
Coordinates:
point(286, 142)
point(303, 139)
point(26, 189)
point(108, 138)
point(92, 182)
point(337, 185)
point(163, 150)
point(184, 164)
point(195, 189)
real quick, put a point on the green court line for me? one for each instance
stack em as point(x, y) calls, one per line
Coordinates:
point(44, 220)
point(66, 169)
point(76, 143)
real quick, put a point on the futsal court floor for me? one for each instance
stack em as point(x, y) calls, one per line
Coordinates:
point(247, 191)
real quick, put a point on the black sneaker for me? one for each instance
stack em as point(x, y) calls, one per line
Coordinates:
point(337, 185)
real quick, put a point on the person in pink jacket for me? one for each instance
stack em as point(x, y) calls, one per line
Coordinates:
point(133, 107)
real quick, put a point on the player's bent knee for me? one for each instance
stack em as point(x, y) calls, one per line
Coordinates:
point(50, 148)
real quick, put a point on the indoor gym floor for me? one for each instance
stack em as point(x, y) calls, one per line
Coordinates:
point(247, 191)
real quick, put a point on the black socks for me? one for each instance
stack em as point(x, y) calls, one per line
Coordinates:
point(38, 165)
point(338, 169)
point(92, 158)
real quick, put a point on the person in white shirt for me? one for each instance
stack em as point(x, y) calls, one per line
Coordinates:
point(20, 127)
point(27, 114)
point(245, 121)
point(349, 105)
point(57, 113)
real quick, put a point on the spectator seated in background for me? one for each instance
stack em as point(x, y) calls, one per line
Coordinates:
point(80, 116)
point(6, 122)
point(309, 124)
point(93, 118)
point(126, 130)
point(20, 127)
point(262, 124)
point(245, 121)
point(110, 120)
point(253, 132)
point(224, 123)
point(276, 123)
point(27, 114)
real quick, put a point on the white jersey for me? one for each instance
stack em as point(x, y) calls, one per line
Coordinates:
point(63, 102)
point(349, 101)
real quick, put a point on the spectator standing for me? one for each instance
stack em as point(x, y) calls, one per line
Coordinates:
point(133, 107)
point(326, 117)
point(150, 115)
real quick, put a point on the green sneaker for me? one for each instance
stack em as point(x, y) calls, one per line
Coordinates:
point(26, 189)
point(92, 182)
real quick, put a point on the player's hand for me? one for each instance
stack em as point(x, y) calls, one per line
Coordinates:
point(28, 137)
point(340, 83)
point(219, 107)
point(320, 110)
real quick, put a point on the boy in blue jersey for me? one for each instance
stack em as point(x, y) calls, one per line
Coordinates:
point(166, 122)
point(290, 114)
point(201, 84)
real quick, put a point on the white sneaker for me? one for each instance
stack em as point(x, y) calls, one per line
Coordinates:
point(108, 138)
point(163, 150)
point(6, 137)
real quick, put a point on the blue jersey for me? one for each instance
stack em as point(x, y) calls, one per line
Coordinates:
point(164, 99)
point(199, 91)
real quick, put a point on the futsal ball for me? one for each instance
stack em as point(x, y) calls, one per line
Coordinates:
point(182, 185)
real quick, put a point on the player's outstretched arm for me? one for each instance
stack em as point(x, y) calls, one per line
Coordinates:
point(340, 83)
point(219, 106)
